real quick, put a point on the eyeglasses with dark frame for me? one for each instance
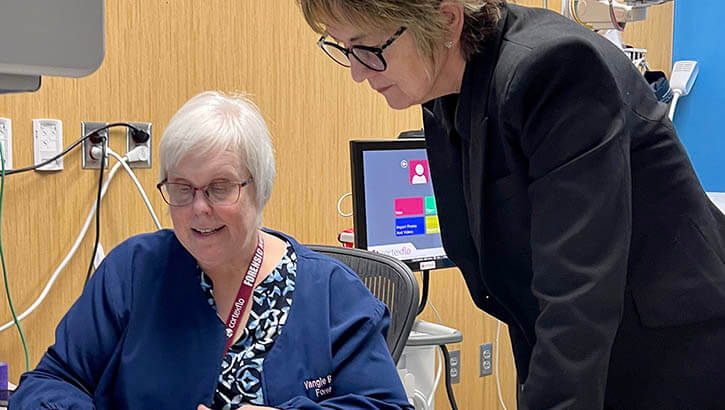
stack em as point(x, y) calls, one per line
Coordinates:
point(216, 193)
point(370, 57)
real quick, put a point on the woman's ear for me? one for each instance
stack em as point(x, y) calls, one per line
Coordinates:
point(453, 12)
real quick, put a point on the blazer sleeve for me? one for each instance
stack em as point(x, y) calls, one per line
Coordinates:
point(364, 375)
point(568, 116)
point(85, 340)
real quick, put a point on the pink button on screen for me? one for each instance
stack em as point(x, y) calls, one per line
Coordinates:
point(409, 206)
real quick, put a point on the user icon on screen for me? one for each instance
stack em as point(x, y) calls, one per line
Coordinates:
point(418, 171)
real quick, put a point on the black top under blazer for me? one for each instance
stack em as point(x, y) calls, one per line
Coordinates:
point(572, 209)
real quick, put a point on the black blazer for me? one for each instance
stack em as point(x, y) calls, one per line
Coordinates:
point(572, 209)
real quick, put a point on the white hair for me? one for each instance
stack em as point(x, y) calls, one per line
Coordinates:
point(214, 122)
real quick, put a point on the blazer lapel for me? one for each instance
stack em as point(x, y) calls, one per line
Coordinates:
point(471, 122)
point(476, 166)
point(444, 156)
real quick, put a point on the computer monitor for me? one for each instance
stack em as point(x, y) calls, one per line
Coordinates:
point(49, 38)
point(394, 209)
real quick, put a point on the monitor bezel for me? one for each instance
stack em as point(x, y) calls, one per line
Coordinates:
point(357, 148)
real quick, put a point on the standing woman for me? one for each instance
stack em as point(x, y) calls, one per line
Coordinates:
point(218, 312)
point(564, 195)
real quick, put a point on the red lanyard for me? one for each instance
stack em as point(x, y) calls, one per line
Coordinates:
point(245, 291)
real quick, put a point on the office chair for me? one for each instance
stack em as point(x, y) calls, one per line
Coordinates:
point(391, 281)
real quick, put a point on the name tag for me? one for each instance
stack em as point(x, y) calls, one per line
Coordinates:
point(319, 388)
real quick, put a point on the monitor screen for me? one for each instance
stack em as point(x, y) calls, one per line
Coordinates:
point(394, 208)
point(51, 37)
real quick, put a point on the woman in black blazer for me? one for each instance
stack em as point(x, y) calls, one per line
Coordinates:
point(564, 196)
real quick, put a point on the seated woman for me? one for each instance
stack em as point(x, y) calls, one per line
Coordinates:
point(218, 312)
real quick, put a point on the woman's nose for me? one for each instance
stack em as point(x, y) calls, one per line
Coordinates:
point(358, 71)
point(200, 204)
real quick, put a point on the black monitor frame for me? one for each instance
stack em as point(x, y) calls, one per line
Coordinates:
point(357, 147)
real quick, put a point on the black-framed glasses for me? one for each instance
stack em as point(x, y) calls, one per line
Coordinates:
point(370, 57)
point(217, 193)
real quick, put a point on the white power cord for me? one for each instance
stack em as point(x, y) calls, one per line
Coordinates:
point(439, 353)
point(136, 154)
point(427, 400)
point(70, 254)
point(420, 400)
point(673, 105)
point(435, 311)
point(432, 306)
point(339, 205)
point(498, 379)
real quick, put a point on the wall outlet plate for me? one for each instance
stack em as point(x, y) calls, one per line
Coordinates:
point(87, 162)
point(47, 143)
point(485, 360)
point(6, 139)
point(454, 361)
point(131, 144)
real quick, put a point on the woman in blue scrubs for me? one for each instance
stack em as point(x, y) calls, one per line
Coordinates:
point(218, 312)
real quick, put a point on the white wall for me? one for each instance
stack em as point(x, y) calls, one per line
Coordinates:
point(718, 198)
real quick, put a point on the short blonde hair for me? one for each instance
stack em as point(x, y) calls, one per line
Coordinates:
point(421, 17)
point(215, 122)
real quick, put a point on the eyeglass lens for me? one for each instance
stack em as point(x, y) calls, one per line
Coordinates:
point(366, 57)
point(336, 54)
point(218, 193)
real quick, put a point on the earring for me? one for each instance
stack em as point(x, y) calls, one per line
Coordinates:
point(448, 44)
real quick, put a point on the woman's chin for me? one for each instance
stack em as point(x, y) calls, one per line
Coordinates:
point(397, 103)
point(398, 106)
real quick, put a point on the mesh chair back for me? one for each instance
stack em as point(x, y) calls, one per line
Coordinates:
point(389, 280)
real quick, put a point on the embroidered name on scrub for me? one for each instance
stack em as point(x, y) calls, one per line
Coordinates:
point(322, 386)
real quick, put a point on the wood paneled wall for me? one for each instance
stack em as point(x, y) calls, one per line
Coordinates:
point(159, 54)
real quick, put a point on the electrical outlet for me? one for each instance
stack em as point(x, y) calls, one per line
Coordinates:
point(87, 161)
point(6, 139)
point(454, 360)
point(132, 143)
point(48, 142)
point(485, 360)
